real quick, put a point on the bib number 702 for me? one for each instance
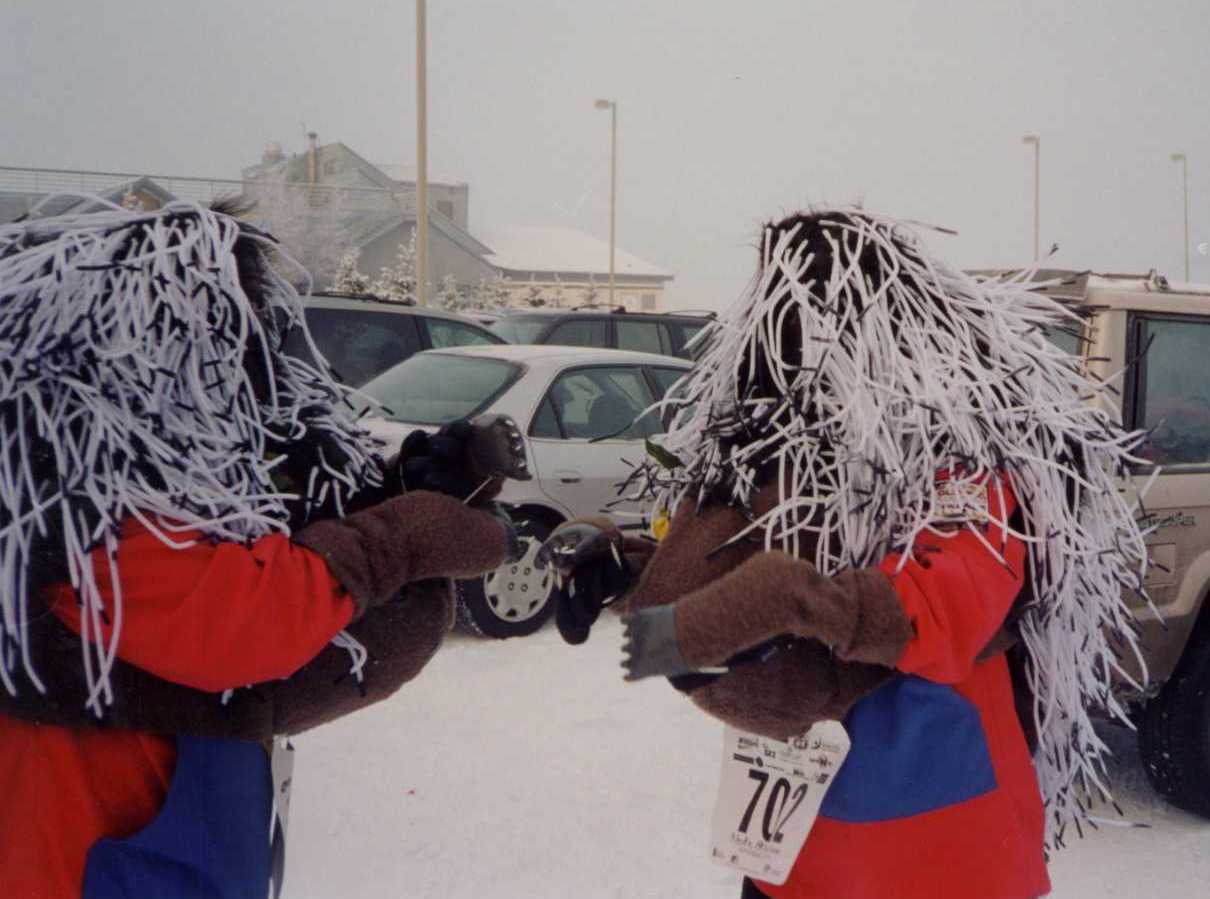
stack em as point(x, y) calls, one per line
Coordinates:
point(780, 804)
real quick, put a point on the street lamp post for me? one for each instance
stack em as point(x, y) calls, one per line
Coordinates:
point(1037, 142)
point(422, 187)
point(1180, 157)
point(612, 106)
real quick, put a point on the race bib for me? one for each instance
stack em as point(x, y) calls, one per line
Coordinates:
point(962, 501)
point(769, 796)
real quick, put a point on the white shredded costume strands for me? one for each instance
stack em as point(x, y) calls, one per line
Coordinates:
point(125, 346)
point(920, 371)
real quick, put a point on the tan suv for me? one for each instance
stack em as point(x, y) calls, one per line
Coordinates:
point(1160, 335)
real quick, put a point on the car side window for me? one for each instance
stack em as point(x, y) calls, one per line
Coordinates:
point(357, 344)
point(596, 403)
point(666, 377)
point(444, 333)
point(583, 332)
point(643, 336)
point(1172, 390)
point(545, 424)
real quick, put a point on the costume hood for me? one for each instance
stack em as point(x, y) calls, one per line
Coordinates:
point(853, 371)
point(142, 376)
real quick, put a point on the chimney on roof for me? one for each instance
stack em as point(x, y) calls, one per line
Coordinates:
point(312, 158)
point(273, 154)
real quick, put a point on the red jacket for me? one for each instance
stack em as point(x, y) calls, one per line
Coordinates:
point(213, 616)
point(940, 799)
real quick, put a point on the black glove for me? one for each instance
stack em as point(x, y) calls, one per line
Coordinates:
point(649, 644)
point(440, 462)
point(465, 459)
point(593, 573)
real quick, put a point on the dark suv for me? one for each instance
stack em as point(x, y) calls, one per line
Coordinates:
point(362, 336)
point(665, 333)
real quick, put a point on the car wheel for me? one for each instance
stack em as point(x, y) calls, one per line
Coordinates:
point(1174, 739)
point(515, 599)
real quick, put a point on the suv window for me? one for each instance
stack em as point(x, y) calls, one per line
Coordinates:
point(516, 329)
point(443, 333)
point(643, 336)
point(599, 403)
point(357, 343)
point(585, 332)
point(1172, 390)
point(684, 331)
point(1066, 338)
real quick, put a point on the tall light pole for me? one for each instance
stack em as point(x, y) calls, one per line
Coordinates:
point(1037, 142)
point(422, 186)
point(612, 106)
point(1180, 157)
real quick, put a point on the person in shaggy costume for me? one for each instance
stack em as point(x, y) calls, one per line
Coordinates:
point(889, 492)
point(199, 552)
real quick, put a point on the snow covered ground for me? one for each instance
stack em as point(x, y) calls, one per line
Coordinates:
point(527, 768)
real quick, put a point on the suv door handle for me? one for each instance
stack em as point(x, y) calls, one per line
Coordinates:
point(568, 477)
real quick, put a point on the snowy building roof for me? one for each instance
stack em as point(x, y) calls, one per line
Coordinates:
point(532, 248)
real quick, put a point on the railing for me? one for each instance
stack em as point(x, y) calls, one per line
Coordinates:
point(19, 179)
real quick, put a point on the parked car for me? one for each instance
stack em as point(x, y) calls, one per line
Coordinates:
point(361, 335)
point(1165, 331)
point(667, 333)
point(585, 416)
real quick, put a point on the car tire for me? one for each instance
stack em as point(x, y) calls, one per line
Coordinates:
point(516, 599)
point(1174, 739)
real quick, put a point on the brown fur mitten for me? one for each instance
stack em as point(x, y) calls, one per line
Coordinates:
point(784, 695)
point(413, 537)
point(400, 638)
point(689, 556)
point(856, 613)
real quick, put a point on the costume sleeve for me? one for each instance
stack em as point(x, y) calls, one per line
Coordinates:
point(216, 616)
point(957, 593)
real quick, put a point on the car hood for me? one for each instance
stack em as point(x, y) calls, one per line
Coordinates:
point(391, 433)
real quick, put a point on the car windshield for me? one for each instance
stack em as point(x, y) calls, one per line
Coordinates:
point(519, 330)
point(435, 388)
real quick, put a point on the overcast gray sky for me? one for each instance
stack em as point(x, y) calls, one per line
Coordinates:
point(729, 113)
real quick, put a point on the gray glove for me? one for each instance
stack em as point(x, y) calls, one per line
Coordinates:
point(650, 648)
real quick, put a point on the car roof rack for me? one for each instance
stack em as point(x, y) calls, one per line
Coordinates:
point(372, 297)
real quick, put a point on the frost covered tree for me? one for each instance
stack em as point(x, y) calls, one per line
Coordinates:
point(397, 283)
point(501, 291)
point(483, 295)
point(533, 295)
point(450, 296)
point(490, 293)
point(348, 278)
point(592, 294)
point(555, 296)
